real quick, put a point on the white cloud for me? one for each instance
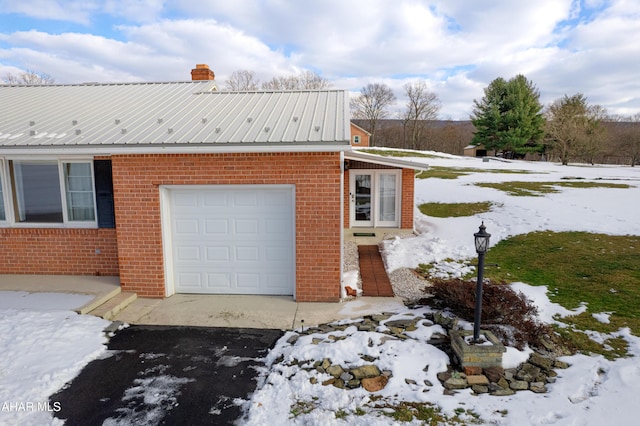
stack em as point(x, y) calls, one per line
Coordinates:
point(563, 46)
point(78, 11)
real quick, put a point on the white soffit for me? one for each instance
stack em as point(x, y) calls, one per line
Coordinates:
point(385, 161)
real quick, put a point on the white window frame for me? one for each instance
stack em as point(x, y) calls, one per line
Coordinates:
point(5, 199)
point(356, 139)
point(375, 221)
point(8, 195)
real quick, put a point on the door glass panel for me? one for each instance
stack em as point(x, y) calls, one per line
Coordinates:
point(79, 191)
point(3, 215)
point(363, 197)
point(387, 198)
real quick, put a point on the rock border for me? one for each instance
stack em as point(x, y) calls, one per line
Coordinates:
point(533, 375)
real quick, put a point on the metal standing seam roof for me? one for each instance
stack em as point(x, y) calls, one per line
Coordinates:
point(168, 114)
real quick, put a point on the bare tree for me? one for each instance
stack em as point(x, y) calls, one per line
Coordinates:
point(309, 80)
point(373, 105)
point(574, 128)
point(241, 80)
point(422, 106)
point(306, 80)
point(28, 77)
point(596, 135)
point(627, 137)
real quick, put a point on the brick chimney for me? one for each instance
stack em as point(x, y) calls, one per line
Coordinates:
point(202, 72)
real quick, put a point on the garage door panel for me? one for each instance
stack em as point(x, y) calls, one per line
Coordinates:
point(218, 254)
point(215, 199)
point(246, 226)
point(277, 227)
point(277, 254)
point(248, 281)
point(236, 240)
point(185, 199)
point(187, 226)
point(216, 226)
point(189, 280)
point(218, 281)
point(247, 254)
point(188, 253)
point(245, 199)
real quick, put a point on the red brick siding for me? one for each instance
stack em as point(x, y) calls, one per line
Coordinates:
point(137, 178)
point(408, 203)
point(56, 251)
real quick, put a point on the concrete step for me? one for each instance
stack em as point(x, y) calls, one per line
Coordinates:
point(99, 300)
point(112, 307)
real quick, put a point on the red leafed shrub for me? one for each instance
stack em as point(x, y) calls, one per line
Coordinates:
point(507, 313)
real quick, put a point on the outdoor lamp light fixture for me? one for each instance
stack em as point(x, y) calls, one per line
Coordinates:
point(482, 239)
point(482, 243)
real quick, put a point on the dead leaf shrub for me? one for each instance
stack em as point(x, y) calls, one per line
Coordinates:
point(508, 314)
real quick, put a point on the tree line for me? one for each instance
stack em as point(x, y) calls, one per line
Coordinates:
point(509, 120)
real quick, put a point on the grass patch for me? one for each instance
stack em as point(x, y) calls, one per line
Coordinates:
point(302, 407)
point(454, 209)
point(599, 270)
point(537, 189)
point(440, 172)
point(394, 153)
point(430, 414)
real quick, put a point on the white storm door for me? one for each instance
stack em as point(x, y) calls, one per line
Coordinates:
point(374, 198)
point(361, 198)
point(233, 239)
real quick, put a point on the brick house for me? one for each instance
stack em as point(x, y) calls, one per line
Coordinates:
point(359, 136)
point(179, 188)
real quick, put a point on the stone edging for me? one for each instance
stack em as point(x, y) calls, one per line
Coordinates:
point(532, 375)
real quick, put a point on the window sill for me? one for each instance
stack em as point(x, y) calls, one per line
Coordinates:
point(91, 225)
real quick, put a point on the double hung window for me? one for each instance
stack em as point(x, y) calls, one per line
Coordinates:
point(48, 192)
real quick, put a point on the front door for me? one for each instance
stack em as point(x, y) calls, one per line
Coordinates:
point(374, 198)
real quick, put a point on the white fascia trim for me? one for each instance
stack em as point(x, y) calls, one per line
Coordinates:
point(101, 150)
point(385, 161)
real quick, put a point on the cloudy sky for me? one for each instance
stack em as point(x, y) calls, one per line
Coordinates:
point(457, 46)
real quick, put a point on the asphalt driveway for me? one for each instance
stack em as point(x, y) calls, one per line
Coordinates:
point(166, 375)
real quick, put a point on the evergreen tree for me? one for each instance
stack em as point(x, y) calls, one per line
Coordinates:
point(509, 117)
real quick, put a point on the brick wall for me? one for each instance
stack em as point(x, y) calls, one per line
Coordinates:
point(137, 178)
point(56, 251)
point(408, 202)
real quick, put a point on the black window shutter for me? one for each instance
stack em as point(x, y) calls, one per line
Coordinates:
point(104, 193)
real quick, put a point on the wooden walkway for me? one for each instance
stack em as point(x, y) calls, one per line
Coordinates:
point(375, 281)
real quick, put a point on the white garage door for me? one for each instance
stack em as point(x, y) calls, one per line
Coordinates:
point(233, 239)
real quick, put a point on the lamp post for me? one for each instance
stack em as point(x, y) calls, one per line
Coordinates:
point(482, 243)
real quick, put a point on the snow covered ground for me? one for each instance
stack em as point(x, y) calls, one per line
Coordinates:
point(43, 344)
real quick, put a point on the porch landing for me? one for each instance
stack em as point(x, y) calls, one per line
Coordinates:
point(101, 289)
point(375, 281)
point(368, 236)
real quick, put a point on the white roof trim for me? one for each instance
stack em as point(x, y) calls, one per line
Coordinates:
point(385, 161)
point(190, 149)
